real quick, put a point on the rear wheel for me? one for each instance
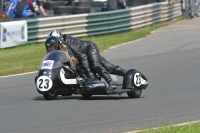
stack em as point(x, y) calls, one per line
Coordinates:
point(50, 96)
point(136, 93)
point(86, 95)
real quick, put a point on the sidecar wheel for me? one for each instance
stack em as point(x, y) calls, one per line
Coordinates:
point(50, 96)
point(136, 93)
point(86, 95)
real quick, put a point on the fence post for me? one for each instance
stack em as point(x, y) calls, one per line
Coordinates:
point(1, 6)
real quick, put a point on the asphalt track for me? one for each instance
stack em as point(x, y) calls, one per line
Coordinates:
point(170, 59)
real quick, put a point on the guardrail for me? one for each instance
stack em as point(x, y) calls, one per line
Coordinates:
point(103, 22)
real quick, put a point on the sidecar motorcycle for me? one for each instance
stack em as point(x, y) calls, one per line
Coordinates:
point(55, 77)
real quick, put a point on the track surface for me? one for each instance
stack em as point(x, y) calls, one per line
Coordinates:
point(169, 58)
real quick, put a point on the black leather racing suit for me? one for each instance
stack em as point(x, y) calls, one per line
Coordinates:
point(112, 69)
point(77, 46)
point(87, 51)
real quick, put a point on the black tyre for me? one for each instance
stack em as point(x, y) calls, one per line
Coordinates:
point(52, 4)
point(95, 9)
point(35, 79)
point(83, 4)
point(50, 96)
point(80, 10)
point(62, 10)
point(98, 4)
point(86, 95)
point(130, 2)
point(136, 93)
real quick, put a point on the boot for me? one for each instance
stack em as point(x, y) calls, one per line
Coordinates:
point(111, 85)
point(104, 74)
point(118, 71)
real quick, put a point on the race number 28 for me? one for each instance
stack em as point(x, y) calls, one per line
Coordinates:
point(137, 79)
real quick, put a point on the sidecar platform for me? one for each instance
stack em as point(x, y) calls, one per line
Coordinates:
point(100, 88)
point(118, 91)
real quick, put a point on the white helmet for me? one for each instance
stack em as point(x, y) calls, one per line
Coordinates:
point(56, 33)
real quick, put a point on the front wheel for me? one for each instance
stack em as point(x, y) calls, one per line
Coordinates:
point(50, 96)
point(136, 93)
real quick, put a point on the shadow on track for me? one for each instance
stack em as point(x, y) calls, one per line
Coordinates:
point(95, 97)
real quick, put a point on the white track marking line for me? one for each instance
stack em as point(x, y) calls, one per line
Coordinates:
point(17, 74)
point(181, 124)
point(121, 45)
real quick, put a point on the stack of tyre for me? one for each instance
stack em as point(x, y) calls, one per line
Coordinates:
point(67, 7)
point(133, 3)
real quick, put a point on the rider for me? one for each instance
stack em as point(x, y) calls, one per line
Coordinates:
point(84, 50)
point(52, 43)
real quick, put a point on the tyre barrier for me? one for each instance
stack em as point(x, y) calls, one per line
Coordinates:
point(80, 10)
point(62, 9)
point(52, 4)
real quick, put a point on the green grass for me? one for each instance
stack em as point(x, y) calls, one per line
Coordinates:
point(21, 59)
point(181, 18)
point(189, 128)
point(27, 58)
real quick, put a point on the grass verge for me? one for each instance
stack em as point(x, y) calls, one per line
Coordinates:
point(27, 58)
point(188, 128)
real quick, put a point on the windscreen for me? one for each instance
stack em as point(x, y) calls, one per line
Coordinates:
point(54, 59)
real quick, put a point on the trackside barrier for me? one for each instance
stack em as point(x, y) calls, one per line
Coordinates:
point(103, 22)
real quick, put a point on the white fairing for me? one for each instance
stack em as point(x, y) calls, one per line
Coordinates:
point(66, 81)
point(138, 80)
point(114, 78)
point(44, 83)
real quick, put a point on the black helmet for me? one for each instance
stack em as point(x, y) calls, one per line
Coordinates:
point(52, 43)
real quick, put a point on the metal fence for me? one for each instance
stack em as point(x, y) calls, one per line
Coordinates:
point(190, 8)
point(195, 7)
point(103, 22)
